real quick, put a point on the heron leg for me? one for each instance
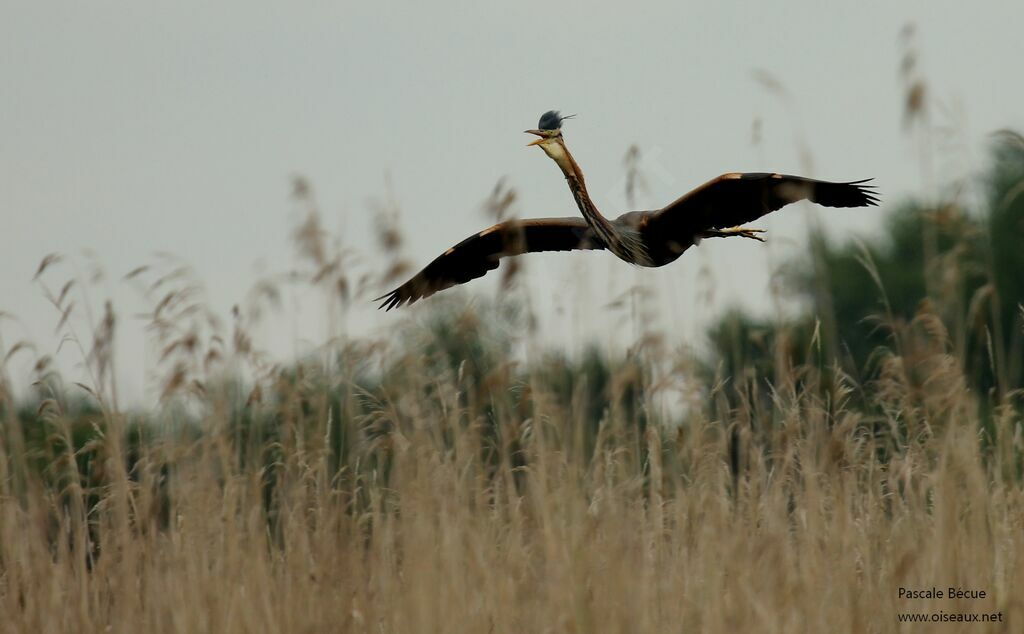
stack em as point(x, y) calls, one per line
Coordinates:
point(743, 232)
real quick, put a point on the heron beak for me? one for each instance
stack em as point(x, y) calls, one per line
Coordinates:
point(543, 137)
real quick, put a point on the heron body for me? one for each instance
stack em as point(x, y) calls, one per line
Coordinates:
point(646, 238)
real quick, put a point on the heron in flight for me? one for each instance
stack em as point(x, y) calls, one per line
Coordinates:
point(716, 209)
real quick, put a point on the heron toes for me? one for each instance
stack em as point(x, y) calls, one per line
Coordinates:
point(744, 232)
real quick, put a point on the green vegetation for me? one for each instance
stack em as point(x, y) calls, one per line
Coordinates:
point(866, 300)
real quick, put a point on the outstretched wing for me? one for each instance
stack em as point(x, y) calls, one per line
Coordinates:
point(479, 253)
point(735, 198)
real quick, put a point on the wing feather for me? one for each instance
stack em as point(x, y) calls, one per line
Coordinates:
point(737, 198)
point(481, 252)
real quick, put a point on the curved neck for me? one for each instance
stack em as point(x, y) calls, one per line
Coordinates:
point(574, 177)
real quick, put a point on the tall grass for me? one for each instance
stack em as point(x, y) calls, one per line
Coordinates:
point(396, 491)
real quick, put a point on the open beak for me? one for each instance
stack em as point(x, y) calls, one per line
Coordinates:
point(543, 137)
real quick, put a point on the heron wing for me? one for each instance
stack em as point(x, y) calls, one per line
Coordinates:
point(737, 198)
point(480, 253)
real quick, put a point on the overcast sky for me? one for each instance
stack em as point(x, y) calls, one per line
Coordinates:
point(130, 129)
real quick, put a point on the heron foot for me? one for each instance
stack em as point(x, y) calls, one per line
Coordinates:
point(743, 232)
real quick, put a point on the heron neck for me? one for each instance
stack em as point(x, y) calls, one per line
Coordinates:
point(574, 177)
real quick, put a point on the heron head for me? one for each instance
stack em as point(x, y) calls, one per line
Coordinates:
point(549, 128)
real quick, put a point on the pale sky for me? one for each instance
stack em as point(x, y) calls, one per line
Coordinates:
point(134, 128)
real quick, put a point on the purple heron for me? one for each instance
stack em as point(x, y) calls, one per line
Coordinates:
point(652, 238)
